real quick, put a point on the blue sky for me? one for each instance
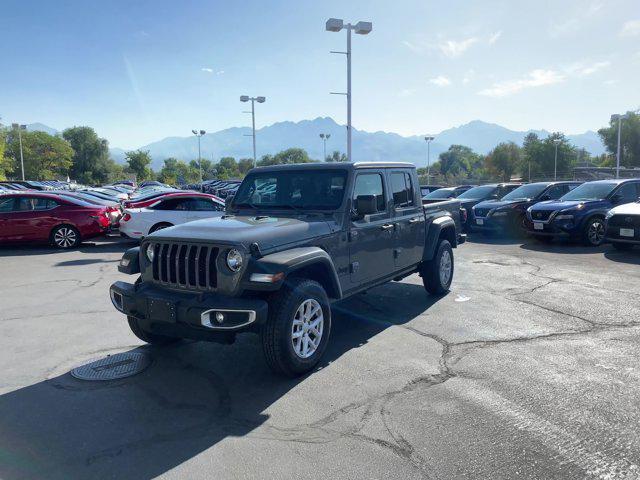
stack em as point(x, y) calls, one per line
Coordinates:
point(138, 71)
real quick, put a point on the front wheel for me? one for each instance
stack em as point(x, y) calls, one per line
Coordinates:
point(297, 330)
point(437, 273)
point(593, 232)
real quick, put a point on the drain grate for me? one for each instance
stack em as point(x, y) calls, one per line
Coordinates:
point(113, 367)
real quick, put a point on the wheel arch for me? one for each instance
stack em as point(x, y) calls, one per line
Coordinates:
point(441, 228)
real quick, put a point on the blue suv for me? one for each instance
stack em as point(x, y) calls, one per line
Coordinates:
point(507, 214)
point(580, 214)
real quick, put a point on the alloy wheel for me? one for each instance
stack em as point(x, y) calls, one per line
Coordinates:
point(65, 237)
point(596, 232)
point(307, 328)
point(445, 267)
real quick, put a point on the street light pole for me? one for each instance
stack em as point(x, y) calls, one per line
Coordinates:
point(246, 98)
point(199, 134)
point(428, 139)
point(555, 162)
point(20, 128)
point(325, 137)
point(361, 28)
point(618, 150)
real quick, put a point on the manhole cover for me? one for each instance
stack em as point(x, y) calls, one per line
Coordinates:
point(113, 367)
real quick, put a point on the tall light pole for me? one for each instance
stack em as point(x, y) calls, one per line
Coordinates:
point(19, 127)
point(325, 137)
point(428, 139)
point(199, 134)
point(246, 98)
point(555, 162)
point(361, 28)
point(619, 118)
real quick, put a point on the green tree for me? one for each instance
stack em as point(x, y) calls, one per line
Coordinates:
point(539, 156)
point(5, 162)
point(139, 163)
point(457, 160)
point(291, 155)
point(91, 161)
point(629, 139)
point(46, 157)
point(336, 156)
point(244, 165)
point(504, 160)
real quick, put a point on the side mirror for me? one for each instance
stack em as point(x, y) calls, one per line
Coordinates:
point(366, 205)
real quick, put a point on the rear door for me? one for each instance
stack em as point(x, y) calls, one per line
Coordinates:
point(408, 217)
point(6, 214)
point(371, 237)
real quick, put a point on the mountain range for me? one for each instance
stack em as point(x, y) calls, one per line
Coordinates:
point(371, 146)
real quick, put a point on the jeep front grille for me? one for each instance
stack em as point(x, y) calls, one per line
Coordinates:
point(185, 266)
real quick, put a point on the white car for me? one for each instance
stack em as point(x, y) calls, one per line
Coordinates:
point(169, 211)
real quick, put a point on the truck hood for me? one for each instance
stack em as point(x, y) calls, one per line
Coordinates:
point(267, 231)
point(558, 205)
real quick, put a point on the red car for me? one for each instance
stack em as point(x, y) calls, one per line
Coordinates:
point(151, 199)
point(39, 217)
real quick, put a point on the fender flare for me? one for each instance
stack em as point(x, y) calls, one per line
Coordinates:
point(132, 260)
point(439, 225)
point(314, 260)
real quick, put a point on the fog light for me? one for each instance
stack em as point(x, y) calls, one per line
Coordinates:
point(219, 317)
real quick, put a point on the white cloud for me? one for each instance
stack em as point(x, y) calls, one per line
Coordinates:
point(208, 70)
point(220, 72)
point(630, 28)
point(406, 92)
point(610, 82)
point(454, 48)
point(412, 46)
point(494, 38)
point(468, 76)
point(535, 78)
point(583, 70)
point(440, 81)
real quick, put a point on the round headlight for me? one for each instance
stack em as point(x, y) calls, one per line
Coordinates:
point(234, 260)
point(150, 251)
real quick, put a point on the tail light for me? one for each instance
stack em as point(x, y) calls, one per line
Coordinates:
point(125, 218)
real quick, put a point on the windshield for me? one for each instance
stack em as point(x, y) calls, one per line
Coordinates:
point(442, 193)
point(294, 189)
point(590, 191)
point(526, 191)
point(477, 193)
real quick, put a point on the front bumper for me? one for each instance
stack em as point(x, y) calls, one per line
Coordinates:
point(613, 234)
point(188, 314)
point(564, 229)
point(491, 224)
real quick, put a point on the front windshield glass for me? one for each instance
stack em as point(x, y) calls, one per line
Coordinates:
point(590, 191)
point(477, 193)
point(293, 189)
point(441, 193)
point(526, 191)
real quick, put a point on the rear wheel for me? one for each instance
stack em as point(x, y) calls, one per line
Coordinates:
point(593, 232)
point(298, 328)
point(65, 236)
point(159, 226)
point(149, 337)
point(622, 246)
point(437, 273)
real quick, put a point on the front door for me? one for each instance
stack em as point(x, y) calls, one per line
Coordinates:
point(371, 236)
point(408, 216)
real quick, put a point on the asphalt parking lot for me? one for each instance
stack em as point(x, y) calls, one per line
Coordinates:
point(528, 369)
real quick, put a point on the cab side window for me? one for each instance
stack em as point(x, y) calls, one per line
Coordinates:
point(402, 189)
point(370, 184)
point(6, 205)
point(556, 191)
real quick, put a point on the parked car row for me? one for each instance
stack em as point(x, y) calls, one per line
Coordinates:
point(591, 212)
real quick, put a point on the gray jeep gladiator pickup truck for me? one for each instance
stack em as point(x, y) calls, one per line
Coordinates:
point(294, 239)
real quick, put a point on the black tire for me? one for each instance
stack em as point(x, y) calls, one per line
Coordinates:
point(149, 337)
point(622, 246)
point(434, 282)
point(65, 237)
point(278, 334)
point(159, 226)
point(593, 232)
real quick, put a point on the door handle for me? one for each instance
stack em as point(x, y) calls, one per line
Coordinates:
point(387, 226)
point(415, 220)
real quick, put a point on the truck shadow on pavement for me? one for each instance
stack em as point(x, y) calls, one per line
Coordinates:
point(193, 396)
point(103, 246)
